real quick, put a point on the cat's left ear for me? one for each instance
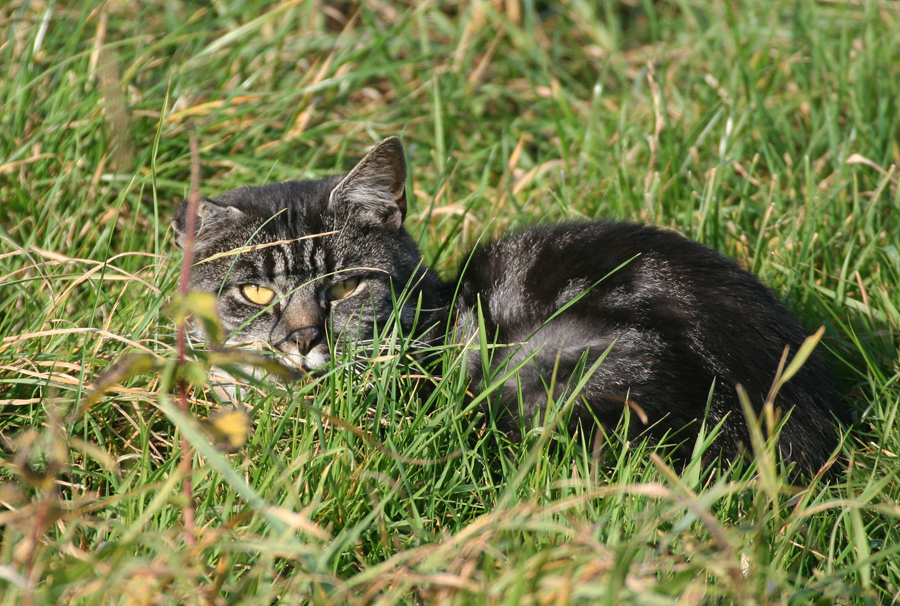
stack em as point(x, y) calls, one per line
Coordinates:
point(375, 190)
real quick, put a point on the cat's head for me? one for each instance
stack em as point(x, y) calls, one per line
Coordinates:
point(298, 264)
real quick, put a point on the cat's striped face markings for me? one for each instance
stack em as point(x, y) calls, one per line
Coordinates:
point(319, 262)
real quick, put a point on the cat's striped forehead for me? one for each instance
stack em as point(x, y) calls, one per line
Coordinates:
point(294, 257)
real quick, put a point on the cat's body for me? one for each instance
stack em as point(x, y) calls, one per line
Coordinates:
point(676, 317)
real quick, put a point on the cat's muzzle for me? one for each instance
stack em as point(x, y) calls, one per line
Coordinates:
point(305, 348)
point(304, 339)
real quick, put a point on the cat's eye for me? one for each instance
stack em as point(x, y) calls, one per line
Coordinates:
point(259, 295)
point(343, 289)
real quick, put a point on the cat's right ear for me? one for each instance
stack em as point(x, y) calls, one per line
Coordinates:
point(375, 190)
point(211, 217)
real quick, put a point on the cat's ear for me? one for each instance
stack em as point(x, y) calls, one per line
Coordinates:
point(375, 190)
point(211, 218)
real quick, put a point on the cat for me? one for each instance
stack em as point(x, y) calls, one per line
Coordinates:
point(680, 325)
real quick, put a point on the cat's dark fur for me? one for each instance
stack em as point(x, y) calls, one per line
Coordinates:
point(678, 316)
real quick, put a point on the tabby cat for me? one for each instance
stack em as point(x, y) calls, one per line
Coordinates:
point(323, 262)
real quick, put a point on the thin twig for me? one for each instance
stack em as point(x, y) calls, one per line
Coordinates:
point(186, 454)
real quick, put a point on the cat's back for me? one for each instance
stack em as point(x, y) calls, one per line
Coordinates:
point(679, 316)
point(611, 265)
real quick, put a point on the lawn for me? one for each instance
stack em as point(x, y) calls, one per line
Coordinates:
point(767, 129)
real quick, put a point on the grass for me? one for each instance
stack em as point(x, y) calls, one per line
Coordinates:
point(769, 130)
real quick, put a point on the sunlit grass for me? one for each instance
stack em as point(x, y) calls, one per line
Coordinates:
point(768, 130)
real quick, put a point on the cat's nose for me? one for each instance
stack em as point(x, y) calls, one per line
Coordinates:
point(305, 338)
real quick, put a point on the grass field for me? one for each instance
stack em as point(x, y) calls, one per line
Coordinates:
point(767, 129)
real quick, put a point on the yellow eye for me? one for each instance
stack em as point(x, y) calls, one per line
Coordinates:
point(343, 289)
point(260, 295)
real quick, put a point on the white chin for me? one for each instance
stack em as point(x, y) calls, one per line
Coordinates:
point(314, 360)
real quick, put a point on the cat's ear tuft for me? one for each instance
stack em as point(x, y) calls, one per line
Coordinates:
point(211, 217)
point(375, 190)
